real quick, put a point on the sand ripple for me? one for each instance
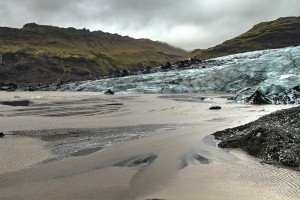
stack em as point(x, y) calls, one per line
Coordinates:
point(83, 107)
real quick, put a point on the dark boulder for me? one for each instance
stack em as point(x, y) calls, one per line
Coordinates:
point(289, 96)
point(175, 82)
point(215, 108)
point(147, 70)
point(258, 98)
point(125, 72)
point(194, 61)
point(115, 73)
point(1, 134)
point(186, 64)
point(296, 88)
point(167, 66)
point(9, 87)
point(109, 92)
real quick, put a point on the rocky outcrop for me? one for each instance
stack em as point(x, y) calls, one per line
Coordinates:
point(9, 87)
point(109, 92)
point(38, 54)
point(258, 98)
point(275, 138)
point(191, 63)
point(289, 96)
point(36, 72)
point(187, 63)
point(27, 70)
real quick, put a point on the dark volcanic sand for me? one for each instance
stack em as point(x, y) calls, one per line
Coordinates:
point(275, 138)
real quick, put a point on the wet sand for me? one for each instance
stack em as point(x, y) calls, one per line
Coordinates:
point(19, 153)
point(170, 154)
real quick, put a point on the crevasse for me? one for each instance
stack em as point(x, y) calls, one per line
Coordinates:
point(270, 71)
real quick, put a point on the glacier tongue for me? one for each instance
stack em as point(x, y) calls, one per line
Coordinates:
point(269, 71)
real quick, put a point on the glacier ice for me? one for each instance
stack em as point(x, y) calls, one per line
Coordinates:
point(269, 71)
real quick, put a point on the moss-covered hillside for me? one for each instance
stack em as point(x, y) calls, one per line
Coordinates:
point(279, 33)
point(42, 54)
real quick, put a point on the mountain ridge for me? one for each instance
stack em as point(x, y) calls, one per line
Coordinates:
point(44, 54)
point(279, 33)
point(43, 48)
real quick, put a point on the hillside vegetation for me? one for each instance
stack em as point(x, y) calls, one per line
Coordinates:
point(283, 32)
point(44, 54)
point(47, 54)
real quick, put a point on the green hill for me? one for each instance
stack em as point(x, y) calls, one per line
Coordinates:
point(279, 33)
point(45, 54)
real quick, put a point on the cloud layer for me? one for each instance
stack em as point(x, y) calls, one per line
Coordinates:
point(188, 24)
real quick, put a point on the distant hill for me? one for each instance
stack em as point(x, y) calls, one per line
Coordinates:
point(279, 33)
point(45, 54)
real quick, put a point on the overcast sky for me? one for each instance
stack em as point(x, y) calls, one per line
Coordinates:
point(188, 24)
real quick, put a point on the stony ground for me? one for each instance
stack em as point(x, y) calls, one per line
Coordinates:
point(275, 138)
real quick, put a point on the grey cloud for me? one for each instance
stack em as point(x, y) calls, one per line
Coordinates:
point(188, 24)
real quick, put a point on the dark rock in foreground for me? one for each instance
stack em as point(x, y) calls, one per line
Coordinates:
point(215, 108)
point(9, 87)
point(288, 96)
point(109, 92)
point(258, 98)
point(1, 134)
point(16, 103)
point(275, 138)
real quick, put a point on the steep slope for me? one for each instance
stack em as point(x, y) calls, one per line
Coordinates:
point(283, 32)
point(44, 54)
